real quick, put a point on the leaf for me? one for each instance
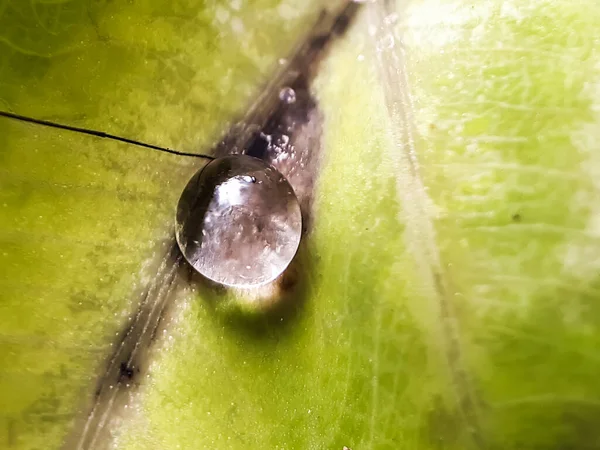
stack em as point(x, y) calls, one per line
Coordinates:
point(82, 219)
point(450, 280)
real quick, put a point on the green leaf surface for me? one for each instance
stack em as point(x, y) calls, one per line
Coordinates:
point(450, 284)
point(82, 219)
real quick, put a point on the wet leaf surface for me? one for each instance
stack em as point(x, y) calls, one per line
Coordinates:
point(447, 292)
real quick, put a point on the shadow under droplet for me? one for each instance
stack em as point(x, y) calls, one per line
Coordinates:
point(265, 312)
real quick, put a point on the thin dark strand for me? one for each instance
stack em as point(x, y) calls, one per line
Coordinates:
point(101, 134)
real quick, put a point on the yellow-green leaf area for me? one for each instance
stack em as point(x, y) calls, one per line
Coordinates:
point(83, 221)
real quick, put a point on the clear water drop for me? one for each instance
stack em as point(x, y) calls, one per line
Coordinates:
point(287, 95)
point(387, 42)
point(238, 222)
point(391, 19)
point(266, 137)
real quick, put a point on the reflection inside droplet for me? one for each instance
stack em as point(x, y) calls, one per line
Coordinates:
point(238, 222)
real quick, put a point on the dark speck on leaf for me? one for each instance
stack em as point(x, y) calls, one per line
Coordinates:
point(319, 42)
point(125, 372)
point(516, 217)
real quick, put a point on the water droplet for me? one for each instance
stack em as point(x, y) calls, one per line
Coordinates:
point(287, 95)
point(240, 210)
point(266, 137)
point(391, 19)
point(387, 42)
